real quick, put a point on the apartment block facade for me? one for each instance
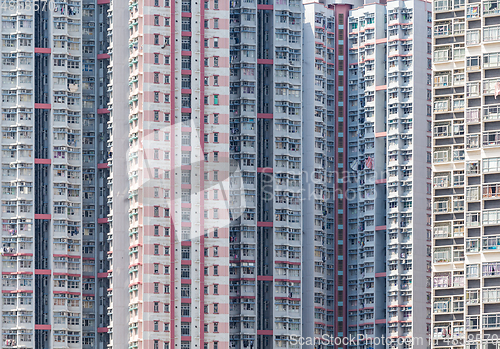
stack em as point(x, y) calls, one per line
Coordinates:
point(388, 149)
point(325, 61)
point(54, 274)
point(466, 173)
point(176, 149)
point(266, 164)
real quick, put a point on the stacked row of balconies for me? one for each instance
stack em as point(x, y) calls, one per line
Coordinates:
point(465, 139)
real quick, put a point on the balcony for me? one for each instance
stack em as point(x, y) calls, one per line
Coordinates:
point(491, 139)
point(442, 255)
point(472, 115)
point(442, 206)
point(491, 113)
point(491, 33)
point(472, 141)
point(491, 321)
point(491, 243)
point(442, 231)
point(441, 30)
point(442, 105)
point(491, 217)
point(491, 295)
point(442, 155)
point(473, 37)
point(491, 269)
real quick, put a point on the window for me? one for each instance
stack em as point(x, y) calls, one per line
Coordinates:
point(216, 61)
point(166, 270)
point(186, 253)
point(167, 22)
point(167, 60)
point(155, 326)
point(205, 43)
point(216, 251)
point(216, 308)
point(216, 137)
point(156, 306)
point(216, 175)
point(156, 39)
point(156, 230)
point(156, 211)
point(166, 251)
point(166, 308)
point(216, 99)
point(157, 58)
point(206, 24)
point(216, 289)
point(216, 23)
point(156, 268)
point(216, 327)
point(156, 287)
point(216, 156)
point(156, 249)
point(185, 291)
point(166, 79)
point(216, 80)
point(157, 20)
point(216, 270)
point(216, 4)
point(185, 272)
point(185, 329)
point(216, 118)
point(185, 309)
point(216, 42)
point(167, 98)
point(156, 96)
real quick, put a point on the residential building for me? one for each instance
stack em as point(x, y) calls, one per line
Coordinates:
point(465, 174)
point(324, 88)
point(171, 160)
point(53, 165)
point(266, 165)
point(389, 163)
